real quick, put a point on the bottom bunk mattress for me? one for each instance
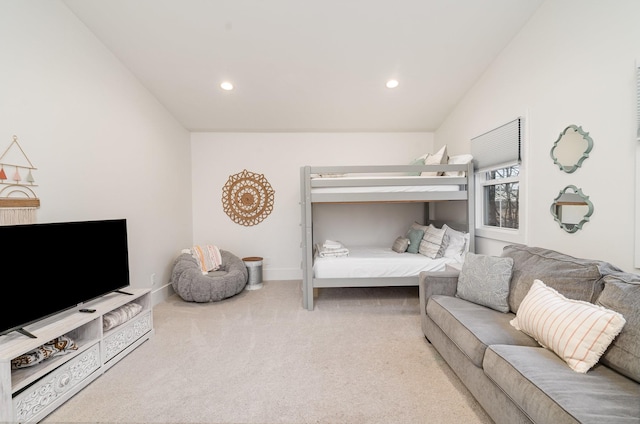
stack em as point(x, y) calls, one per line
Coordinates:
point(377, 262)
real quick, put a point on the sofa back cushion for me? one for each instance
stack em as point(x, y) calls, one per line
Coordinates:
point(622, 294)
point(579, 279)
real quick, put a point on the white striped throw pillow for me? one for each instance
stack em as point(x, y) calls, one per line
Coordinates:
point(578, 332)
point(432, 242)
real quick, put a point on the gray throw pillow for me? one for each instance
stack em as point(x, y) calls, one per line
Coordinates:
point(485, 280)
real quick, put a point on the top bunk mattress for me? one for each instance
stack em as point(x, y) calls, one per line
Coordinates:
point(396, 183)
point(377, 262)
point(372, 184)
point(375, 188)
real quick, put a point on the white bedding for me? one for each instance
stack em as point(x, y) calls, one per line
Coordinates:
point(354, 185)
point(372, 262)
point(386, 189)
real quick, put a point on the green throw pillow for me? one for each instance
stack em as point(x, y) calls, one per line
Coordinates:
point(414, 235)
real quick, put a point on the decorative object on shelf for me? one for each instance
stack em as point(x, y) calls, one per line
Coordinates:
point(18, 200)
point(571, 209)
point(571, 148)
point(247, 198)
point(56, 347)
point(120, 315)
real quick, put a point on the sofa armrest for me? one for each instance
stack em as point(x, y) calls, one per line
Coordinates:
point(438, 282)
point(433, 283)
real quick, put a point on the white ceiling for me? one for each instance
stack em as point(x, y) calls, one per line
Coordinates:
point(306, 65)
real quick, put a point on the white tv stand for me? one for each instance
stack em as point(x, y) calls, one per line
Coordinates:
point(30, 394)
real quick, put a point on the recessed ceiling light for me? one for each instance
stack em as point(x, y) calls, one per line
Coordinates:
point(226, 86)
point(392, 83)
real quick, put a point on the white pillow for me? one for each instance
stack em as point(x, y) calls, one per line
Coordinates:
point(438, 158)
point(455, 242)
point(579, 332)
point(458, 160)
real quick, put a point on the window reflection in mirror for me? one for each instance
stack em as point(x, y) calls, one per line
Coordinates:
point(571, 148)
point(571, 209)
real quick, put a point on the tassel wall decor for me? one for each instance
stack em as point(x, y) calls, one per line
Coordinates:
point(18, 201)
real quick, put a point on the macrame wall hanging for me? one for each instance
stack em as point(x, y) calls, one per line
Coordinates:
point(247, 198)
point(18, 200)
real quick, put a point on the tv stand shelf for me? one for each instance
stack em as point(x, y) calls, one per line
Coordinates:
point(30, 394)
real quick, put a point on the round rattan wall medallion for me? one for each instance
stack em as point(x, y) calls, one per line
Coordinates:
point(247, 198)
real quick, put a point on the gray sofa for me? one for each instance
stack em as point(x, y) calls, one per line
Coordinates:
point(509, 373)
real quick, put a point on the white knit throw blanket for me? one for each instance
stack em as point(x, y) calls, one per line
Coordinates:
point(208, 257)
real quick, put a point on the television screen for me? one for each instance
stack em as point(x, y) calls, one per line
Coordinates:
point(48, 268)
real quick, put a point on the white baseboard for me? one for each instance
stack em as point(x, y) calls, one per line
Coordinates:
point(161, 294)
point(165, 291)
point(275, 274)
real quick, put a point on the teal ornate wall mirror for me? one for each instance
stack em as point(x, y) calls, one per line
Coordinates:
point(571, 209)
point(571, 148)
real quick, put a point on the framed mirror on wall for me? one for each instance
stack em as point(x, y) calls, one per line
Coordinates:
point(571, 148)
point(571, 209)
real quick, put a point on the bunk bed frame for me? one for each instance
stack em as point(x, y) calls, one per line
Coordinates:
point(376, 176)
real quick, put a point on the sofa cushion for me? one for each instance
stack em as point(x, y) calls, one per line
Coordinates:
point(622, 294)
point(578, 332)
point(548, 391)
point(473, 327)
point(579, 279)
point(485, 280)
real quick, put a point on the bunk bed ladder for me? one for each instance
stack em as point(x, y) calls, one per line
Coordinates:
point(471, 207)
point(307, 238)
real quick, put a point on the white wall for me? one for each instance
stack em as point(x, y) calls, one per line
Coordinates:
point(279, 156)
point(102, 145)
point(574, 63)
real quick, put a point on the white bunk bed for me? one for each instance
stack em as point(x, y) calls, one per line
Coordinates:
point(377, 184)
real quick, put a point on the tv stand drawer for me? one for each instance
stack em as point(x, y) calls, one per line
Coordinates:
point(126, 334)
point(43, 394)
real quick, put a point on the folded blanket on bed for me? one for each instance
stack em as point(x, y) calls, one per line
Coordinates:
point(330, 244)
point(331, 249)
point(208, 257)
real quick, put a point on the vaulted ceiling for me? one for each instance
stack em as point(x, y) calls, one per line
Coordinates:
point(306, 65)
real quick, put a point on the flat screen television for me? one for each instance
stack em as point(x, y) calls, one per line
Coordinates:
point(49, 268)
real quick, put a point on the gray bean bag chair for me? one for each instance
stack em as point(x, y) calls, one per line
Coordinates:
point(191, 285)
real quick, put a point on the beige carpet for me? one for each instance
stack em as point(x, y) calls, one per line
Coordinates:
point(259, 357)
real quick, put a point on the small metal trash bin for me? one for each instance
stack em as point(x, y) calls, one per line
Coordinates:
point(254, 268)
